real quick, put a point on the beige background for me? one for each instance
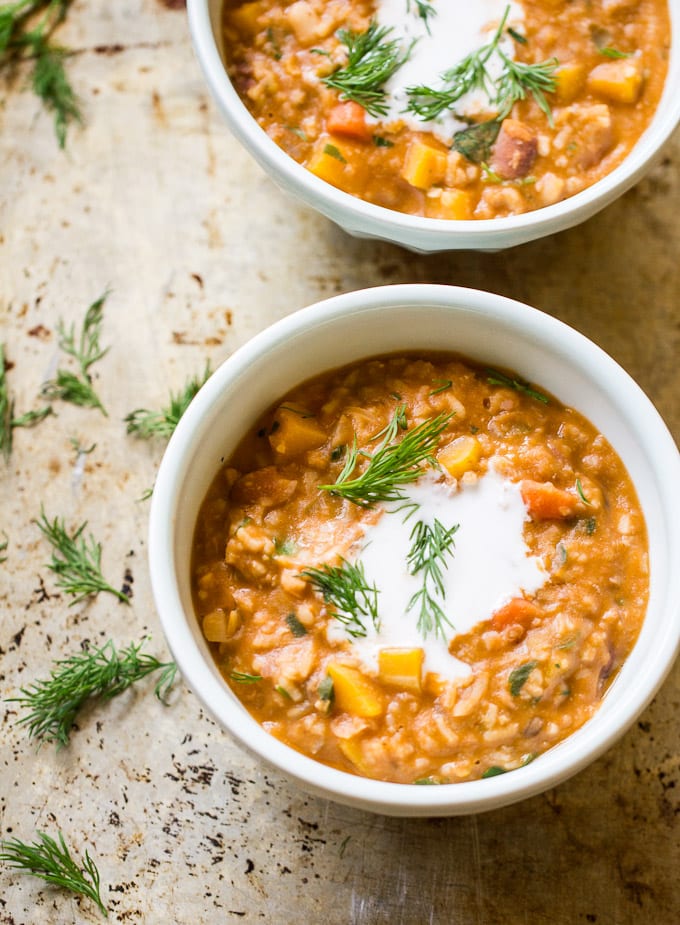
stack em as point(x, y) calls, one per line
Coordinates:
point(155, 200)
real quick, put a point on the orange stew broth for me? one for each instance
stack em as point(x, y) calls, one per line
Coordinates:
point(538, 666)
point(600, 106)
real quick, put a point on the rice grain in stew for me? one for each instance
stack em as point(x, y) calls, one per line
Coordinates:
point(416, 569)
point(451, 109)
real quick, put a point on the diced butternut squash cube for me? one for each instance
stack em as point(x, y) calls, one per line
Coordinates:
point(569, 78)
point(351, 749)
point(452, 204)
point(425, 166)
point(617, 81)
point(401, 668)
point(354, 692)
point(460, 455)
point(293, 433)
point(328, 162)
point(246, 18)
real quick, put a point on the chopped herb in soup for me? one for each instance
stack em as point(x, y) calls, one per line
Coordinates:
point(445, 598)
point(452, 109)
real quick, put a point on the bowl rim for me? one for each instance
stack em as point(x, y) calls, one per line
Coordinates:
point(358, 214)
point(556, 764)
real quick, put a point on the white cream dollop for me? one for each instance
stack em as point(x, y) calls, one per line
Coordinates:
point(490, 565)
point(456, 29)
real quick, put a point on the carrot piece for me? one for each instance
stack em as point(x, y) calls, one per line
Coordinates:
point(546, 502)
point(348, 119)
point(518, 611)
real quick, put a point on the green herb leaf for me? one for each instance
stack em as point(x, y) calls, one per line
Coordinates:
point(52, 86)
point(494, 771)
point(392, 465)
point(431, 545)
point(579, 491)
point(326, 690)
point(345, 588)
point(518, 37)
point(273, 41)
point(93, 674)
point(338, 452)
point(423, 10)
point(518, 677)
point(79, 449)
point(332, 151)
point(475, 143)
point(76, 561)
point(244, 678)
point(297, 629)
point(519, 80)
point(444, 384)
point(516, 81)
point(493, 377)
point(468, 74)
point(86, 351)
point(284, 547)
point(590, 525)
point(381, 142)
point(297, 131)
point(31, 418)
point(609, 52)
point(372, 58)
point(25, 37)
point(8, 422)
point(147, 424)
point(52, 862)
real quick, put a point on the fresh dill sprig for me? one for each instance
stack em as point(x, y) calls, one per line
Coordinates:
point(86, 351)
point(4, 546)
point(581, 493)
point(391, 465)
point(516, 81)
point(52, 862)
point(146, 424)
point(242, 677)
point(372, 58)
point(7, 420)
point(430, 546)
point(79, 449)
point(99, 673)
point(346, 589)
point(493, 377)
point(423, 10)
point(26, 28)
point(519, 80)
point(469, 74)
point(76, 561)
point(6, 409)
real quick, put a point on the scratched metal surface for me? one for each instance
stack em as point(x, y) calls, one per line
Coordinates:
point(154, 200)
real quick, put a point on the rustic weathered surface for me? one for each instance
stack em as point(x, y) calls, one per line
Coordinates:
point(155, 200)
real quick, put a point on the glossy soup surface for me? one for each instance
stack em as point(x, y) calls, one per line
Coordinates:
point(458, 629)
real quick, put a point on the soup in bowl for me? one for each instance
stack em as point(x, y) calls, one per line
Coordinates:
point(538, 114)
point(420, 535)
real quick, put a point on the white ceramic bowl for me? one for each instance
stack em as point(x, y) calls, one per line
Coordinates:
point(490, 329)
point(364, 219)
